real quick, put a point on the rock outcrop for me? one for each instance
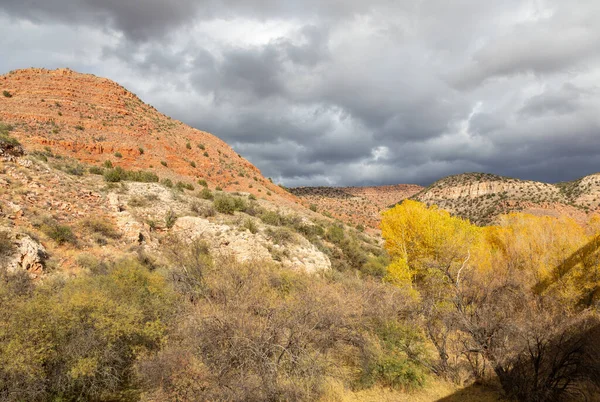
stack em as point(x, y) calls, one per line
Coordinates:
point(29, 256)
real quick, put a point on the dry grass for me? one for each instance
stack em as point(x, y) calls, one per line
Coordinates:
point(435, 390)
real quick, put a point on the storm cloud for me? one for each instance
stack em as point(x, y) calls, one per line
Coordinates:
point(332, 92)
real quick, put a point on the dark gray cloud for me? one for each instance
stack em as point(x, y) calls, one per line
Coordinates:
point(346, 92)
point(138, 19)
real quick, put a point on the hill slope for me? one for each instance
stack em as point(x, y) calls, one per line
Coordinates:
point(94, 119)
point(355, 205)
point(481, 197)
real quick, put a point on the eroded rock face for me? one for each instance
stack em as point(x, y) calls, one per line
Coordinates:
point(298, 254)
point(29, 256)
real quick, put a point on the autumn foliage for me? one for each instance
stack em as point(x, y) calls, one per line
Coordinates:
point(514, 303)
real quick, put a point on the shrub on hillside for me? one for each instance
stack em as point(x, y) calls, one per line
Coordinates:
point(6, 244)
point(272, 218)
point(61, 234)
point(80, 340)
point(101, 226)
point(205, 194)
point(118, 174)
point(280, 236)
point(224, 204)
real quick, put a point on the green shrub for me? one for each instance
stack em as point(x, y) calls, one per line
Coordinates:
point(188, 145)
point(5, 138)
point(376, 266)
point(399, 361)
point(101, 226)
point(205, 194)
point(79, 127)
point(202, 183)
point(167, 183)
point(224, 204)
point(280, 236)
point(141, 150)
point(313, 207)
point(206, 154)
point(251, 226)
point(137, 202)
point(272, 218)
point(96, 170)
point(81, 340)
point(6, 244)
point(75, 170)
point(7, 94)
point(184, 186)
point(117, 174)
point(335, 234)
point(163, 163)
point(201, 146)
point(114, 175)
point(193, 164)
point(118, 155)
point(240, 204)
point(108, 164)
point(218, 188)
point(170, 219)
point(61, 234)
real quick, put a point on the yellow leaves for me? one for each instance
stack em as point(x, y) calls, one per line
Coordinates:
point(426, 237)
point(399, 273)
point(428, 246)
point(85, 367)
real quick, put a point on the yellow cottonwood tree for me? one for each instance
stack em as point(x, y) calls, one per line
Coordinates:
point(430, 249)
point(425, 241)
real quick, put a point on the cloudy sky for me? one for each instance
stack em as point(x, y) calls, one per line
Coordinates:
point(354, 92)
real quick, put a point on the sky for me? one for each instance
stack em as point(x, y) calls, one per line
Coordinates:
point(353, 92)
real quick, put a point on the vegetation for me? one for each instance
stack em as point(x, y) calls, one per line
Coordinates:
point(127, 328)
point(61, 234)
point(5, 137)
point(115, 175)
point(227, 204)
point(184, 186)
point(512, 302)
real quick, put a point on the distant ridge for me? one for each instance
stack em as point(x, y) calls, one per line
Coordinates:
point(355, 205)
point(481, 197)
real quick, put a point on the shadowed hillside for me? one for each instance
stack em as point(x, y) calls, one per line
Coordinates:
point(355, 205)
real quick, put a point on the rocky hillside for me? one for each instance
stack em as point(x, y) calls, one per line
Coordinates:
point(355, 205)
point(481, 197)
point(96, 120)
point(88, 171)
